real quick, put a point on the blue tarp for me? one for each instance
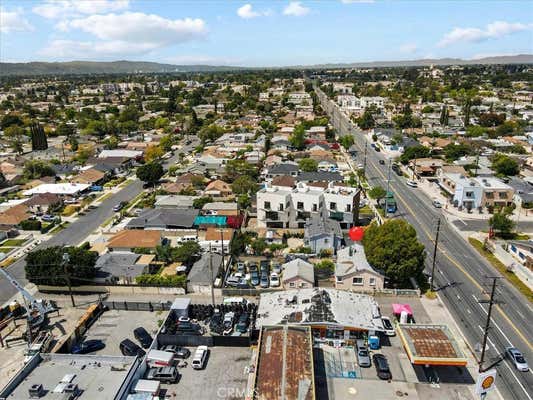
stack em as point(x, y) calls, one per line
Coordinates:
point(217, 220)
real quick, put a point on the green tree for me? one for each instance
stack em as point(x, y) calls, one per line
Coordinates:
point(235, 168)
point(308, 165)
point(413, 152)
point(502, 223)
point(394, 248)
point(297, 138)
point(505, 165)
point(377, 192)
point(64, 129)
point(202, 201)
point(244, 185)
point(259, 246)
point(10, 120)
point(346, 141)
point(366, 121)
point(187, 253)
point(47, 266)
point(35, 169)
point(454, 151)
point(150, 173)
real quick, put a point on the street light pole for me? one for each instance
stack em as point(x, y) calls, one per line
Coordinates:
point(434, 256)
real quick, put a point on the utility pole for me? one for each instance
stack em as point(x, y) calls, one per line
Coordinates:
point(364, 159)
point(212, 276)
point(414, 170)
point(388, 187)
point(431, 285)
point(222, 249)
point(66, 260)
point(491, 302)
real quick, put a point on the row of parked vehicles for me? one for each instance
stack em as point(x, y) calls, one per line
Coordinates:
point(163, 364)
point(266, 274)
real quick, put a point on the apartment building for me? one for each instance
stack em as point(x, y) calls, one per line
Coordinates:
point(286, 207)
point(471, 193)
point(300, 98)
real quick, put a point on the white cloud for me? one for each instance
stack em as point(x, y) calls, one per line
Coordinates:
point(14, 21)
point(124, 35)
point(296, 9)
point(409, 48)
point(135, 27)
point(493, 30)
point(85, 50)
point(53, 9)
point(247, 12)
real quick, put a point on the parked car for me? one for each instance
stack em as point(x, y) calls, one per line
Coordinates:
point(276, 267)
point(88, 347)
point(119, 206)
point(200, 357)
point(48, 218)
point(233, 280)
point(254, 278)
point(363, 357)
point(253, 267)
point(517, 359)
point(382, 162)
point(96, 188)
point(382, 366)
point(264, 280)
point(229, 318)
point(179, 352)
point(389, 328)
point(411, 183)
point(163, 374)
point(144, 338)
point(128, 348)
point(264, 266)
point(242, 324)
point(241, 268)
point(437, 204)
point(274, 280)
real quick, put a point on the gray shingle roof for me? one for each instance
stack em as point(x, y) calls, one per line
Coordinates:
point(164, 218)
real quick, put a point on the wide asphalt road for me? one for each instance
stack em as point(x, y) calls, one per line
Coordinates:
point(461, 266)
point(476, 225)
point(78, 230)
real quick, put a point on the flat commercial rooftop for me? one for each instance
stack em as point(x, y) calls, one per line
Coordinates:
point(320, 307)
point(285, 364)
point(97, 377)
point(431, 345)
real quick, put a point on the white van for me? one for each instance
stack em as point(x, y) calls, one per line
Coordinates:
point(159, 358)
point(199, 358)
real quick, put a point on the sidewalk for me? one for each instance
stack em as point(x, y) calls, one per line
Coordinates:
point(440, 314)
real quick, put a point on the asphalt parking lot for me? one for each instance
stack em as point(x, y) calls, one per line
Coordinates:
point(224, 377)
point(114, 326)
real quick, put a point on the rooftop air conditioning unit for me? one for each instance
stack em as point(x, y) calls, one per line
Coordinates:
point(36, 391)
point(71, 388)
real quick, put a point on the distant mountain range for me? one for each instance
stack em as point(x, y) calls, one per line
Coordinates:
point(130, 67)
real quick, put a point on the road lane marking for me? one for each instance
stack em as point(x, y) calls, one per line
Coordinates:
point(519, 383)
point(495, 324)
point(457, 265)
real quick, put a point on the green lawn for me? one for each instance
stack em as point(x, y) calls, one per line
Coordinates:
point(14, 242)
point(6, 249)
point(511, 276)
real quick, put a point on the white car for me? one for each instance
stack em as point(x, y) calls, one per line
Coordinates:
point(274, 279)
point(517, 359)
point(387, 324)
point(412, 183)
point(437, 204)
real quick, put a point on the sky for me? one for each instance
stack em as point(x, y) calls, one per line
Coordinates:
point(262, 33)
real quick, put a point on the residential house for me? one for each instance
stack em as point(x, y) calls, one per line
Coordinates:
point(174, 201)
point(522, 250)
point(40, 203)
point(322, 234)
point(13, 216)
point(298, 274)
point(353, 272)
point(122, 267)
point(426, 166)
point(290, 169)
point(127, 240)
point(217, 239)
point(218, 188)
point(204, 273)
point(164, 219)
point(523, 192)
point(91, 176)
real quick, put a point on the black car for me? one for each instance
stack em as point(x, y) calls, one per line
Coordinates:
point(382, 367)
point(254, 278)
point(264, 266)
point(128, 348)
point(88, 347)
point(382, 162)
point(396, 169)
point(143, 337)
point(180, 352)
point(242, 325)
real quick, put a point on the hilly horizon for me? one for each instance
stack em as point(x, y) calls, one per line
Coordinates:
point(124, 66)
